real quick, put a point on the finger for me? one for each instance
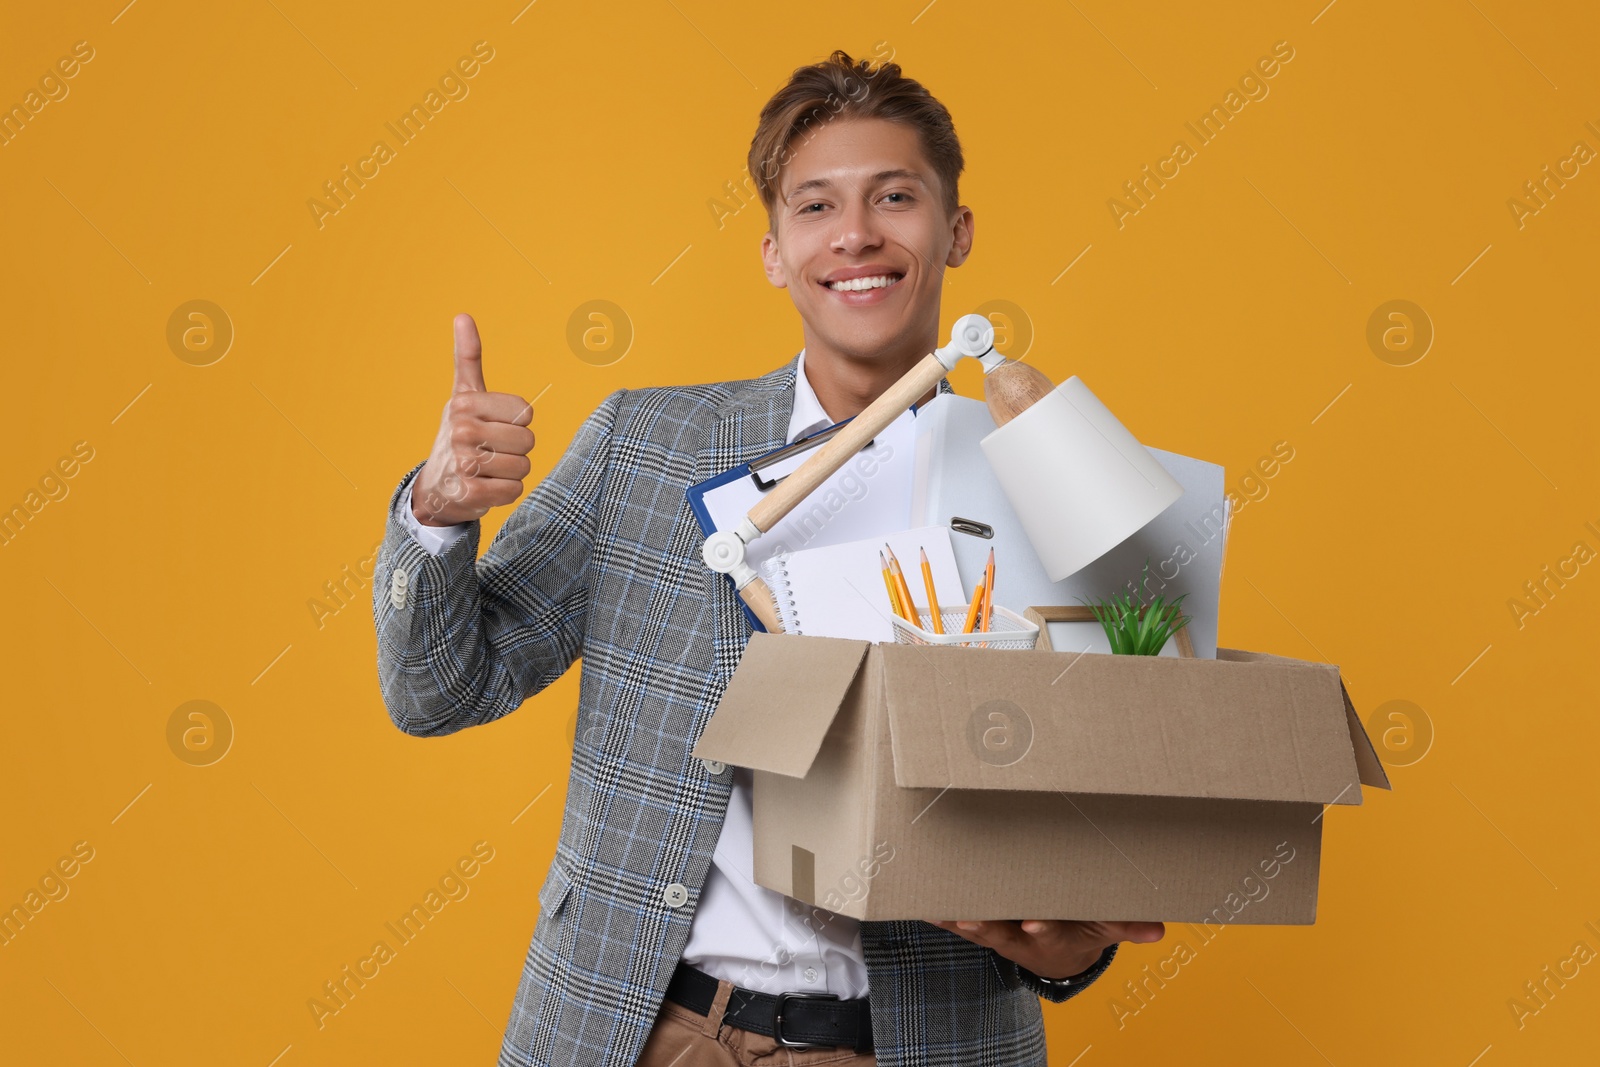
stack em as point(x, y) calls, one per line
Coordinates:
point(484, 463)
point(468, 357)
point(1137, 932)
point(979, 932)
point(504, 407)
point(1057, 934)
point(1056, 928)
point(998, 933)
point(480, 436)
point(483, 493)
point(1140, 933)
point(507, 408)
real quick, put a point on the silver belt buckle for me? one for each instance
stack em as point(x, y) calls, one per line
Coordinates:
point(777, 1019)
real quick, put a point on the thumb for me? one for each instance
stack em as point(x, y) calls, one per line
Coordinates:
point(469, 357)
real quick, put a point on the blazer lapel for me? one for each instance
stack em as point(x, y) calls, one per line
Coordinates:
point(752, 421)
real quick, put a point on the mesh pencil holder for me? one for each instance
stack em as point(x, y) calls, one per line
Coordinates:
point(1007, 629)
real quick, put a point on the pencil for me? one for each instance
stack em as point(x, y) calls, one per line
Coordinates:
point(972, 612)
point(888, 583)
point(988, 593)
point(933, 598)
point(905, 590)
point(988, 598)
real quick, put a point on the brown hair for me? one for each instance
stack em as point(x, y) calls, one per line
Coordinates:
point(841, 87)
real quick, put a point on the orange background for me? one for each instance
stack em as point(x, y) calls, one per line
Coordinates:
point(1229, 314)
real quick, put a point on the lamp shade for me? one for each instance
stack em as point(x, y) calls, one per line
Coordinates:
point(1078, 480)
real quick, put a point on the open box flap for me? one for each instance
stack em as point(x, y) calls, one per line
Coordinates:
point(1097, 723)
point(780, 702)
point(1367, 762)
point(1368, 765)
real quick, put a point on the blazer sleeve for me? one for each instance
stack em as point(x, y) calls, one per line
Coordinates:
point(464, 641)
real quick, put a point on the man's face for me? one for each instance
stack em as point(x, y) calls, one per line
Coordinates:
point(860, 199)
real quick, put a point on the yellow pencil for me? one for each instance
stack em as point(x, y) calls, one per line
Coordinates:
point(988, 593)
point(988, 598)
point(905, 590)
point(972, 612)
point(888, 583)
point(933, 598)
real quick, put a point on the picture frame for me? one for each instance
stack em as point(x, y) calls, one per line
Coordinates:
point(1067, 628)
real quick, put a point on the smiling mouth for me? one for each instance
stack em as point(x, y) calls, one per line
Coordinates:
point(858, 285)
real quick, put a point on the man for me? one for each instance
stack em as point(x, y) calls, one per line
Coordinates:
point(652, 944)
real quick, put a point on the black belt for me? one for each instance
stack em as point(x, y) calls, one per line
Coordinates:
point(794, 1020)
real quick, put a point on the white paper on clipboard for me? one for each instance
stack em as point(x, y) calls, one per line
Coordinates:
point(868, 497)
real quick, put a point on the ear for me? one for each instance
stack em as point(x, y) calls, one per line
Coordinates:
point(771, 263)
point(961, 246)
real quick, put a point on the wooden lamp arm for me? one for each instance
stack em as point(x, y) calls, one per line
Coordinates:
point(890, 405)
point(972, 335)
point(770, 509)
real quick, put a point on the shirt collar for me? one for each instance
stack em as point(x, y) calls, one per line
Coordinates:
point(808, 416)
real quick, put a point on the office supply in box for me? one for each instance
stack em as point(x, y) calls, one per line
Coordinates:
point(995, 784)
point(955, 486)
point(1077, 479)
point(1074, 628)
point(867, 497)
point(1007, 629)
point(837, 590)
point(1096, 487)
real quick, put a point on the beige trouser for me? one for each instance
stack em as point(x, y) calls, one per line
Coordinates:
point(683, 1038)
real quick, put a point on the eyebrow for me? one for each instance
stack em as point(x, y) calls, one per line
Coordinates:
point(878, 178)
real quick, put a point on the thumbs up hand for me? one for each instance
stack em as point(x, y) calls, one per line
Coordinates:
point(481, 454)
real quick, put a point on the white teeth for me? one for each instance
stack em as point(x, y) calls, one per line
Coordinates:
point(881, 281)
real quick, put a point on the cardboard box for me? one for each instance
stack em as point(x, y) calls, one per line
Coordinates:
point(904, 782)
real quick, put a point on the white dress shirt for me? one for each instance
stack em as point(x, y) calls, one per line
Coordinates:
point(752, 936)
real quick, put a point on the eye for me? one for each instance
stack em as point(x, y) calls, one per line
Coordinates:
point(906, 197)
point(806, 209)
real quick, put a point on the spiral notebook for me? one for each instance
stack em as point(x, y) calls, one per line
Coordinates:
point(838, 590)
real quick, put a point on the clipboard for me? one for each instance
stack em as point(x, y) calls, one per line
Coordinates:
point(868, 497)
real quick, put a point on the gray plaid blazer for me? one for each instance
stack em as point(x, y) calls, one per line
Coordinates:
point(602, 560)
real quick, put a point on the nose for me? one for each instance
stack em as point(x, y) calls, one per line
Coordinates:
point(860, 227)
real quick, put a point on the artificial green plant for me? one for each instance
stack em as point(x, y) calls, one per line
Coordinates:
point(1138, 629)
